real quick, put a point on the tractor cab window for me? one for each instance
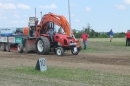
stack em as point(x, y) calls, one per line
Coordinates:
point(51, 25)
point(59, 29)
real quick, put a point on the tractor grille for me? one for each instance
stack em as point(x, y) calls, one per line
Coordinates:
point(57, 37)
point(65, 41)
point(69, 37)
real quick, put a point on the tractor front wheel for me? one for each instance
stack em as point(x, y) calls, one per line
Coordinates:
point(59, 51)
point(74, 51)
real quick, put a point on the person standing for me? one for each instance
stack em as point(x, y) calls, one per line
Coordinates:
point(128, 38)
point(84, 36)
point(111, 35)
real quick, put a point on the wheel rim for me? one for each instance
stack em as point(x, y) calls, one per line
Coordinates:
point(40, 45)
point(58, 52)
point(73, 52)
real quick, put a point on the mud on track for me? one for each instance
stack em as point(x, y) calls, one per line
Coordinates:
point(116, 63)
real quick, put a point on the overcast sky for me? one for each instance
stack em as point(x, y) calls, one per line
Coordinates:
point(102, 15)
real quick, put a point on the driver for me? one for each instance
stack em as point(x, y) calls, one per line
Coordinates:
point(51, 34)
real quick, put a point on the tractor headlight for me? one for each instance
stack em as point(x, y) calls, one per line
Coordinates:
point(72, 44)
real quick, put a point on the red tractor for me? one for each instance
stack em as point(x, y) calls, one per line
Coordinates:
point(63, 40)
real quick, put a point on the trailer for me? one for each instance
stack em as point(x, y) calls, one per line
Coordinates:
point(19, 39)
point(20, 43)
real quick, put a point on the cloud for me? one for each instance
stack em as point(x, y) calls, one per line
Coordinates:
point(88, 9)
point(14, 21)
point(16, 16)
point(77, 20)
point(22, 6)
point(23, 21)
point(25, 16)
point(52, 6)
point(7, 0)
point(72, 15)
point(11, 8)
point(8, 6)
point(127, 1)
point(71, 4)
point(18, 21)
point(120, 7)
point(3, 17)
point(33, 15)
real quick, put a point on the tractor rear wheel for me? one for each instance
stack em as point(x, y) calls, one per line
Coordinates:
point(25, 46)
point(42, 45)
point(20, 48)
point(59, 51)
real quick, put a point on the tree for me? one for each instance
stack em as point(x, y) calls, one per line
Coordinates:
point(93, 34)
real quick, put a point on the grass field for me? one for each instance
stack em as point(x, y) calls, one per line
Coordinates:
point(103, 45)
point(21, 75)
point(27, 76)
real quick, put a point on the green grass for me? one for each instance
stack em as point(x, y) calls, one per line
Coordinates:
point(89, 49)
point(56, 76)
point(103, 45)
point(86, 77)
point(120, 44)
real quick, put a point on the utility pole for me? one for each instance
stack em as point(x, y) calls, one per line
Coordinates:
point(41, 15)
point(35, 14)
point(69, 16)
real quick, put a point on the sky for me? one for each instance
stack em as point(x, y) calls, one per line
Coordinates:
point(102, 15)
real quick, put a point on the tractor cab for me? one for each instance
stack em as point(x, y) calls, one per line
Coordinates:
point(54, 34)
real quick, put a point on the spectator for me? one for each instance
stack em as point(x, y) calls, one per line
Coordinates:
point(111, 35)
point(128, 38)
point(51, 34)
point(84, 36)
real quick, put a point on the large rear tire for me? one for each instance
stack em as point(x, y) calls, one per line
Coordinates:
point(42, 45)
point(59, 51)
point(25, 46)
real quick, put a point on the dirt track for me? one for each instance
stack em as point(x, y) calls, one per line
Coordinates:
point(116, 63)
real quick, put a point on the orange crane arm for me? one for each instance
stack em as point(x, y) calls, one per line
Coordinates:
point(58, 20)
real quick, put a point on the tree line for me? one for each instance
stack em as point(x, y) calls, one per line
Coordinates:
point(93, 34)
